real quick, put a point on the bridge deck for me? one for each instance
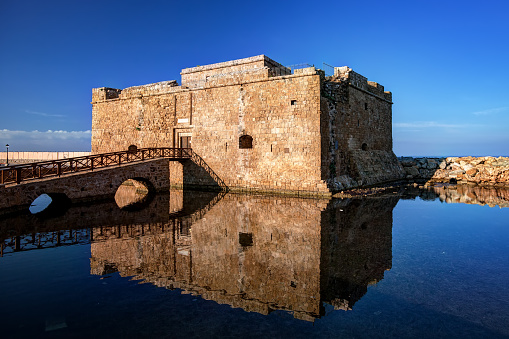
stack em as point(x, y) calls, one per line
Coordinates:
point(55, 168)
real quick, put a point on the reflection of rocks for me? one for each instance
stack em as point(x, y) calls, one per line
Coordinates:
point(422, 192)
point(260, 253)
point(466, 194)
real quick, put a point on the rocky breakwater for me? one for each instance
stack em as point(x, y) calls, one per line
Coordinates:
point(489, 171)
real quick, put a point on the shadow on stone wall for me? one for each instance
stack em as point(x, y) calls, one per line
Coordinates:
point(197, 174)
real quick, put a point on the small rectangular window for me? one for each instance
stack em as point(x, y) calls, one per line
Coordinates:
point(293, 102)
point(365, 105)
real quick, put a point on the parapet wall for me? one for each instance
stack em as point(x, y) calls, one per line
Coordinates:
point(105, 93)
point(361, 82)
point(197, 76)
point(150, 89)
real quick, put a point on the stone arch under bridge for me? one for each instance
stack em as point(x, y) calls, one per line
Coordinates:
point(89, 185)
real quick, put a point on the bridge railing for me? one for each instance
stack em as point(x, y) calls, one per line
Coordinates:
point(56, 168)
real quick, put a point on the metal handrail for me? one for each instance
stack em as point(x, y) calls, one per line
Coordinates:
point(56, 168)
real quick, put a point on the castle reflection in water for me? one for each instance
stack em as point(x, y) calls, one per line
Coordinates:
point(258, 253)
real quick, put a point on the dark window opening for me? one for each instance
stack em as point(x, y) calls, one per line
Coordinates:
point(246, 239)
point(293, 102)
point(184, 230)
point(364, 147)
point(365, 105)
point(246, 141)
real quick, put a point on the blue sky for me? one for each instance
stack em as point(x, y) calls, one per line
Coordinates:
point(446, 62)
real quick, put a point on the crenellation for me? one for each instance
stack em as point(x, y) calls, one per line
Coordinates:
point(105, 93)
point(375, 88)
point(361, 82)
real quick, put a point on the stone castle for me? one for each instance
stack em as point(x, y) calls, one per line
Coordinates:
point(257, 125)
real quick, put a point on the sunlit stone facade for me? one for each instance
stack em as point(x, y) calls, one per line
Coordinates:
point(257, 126)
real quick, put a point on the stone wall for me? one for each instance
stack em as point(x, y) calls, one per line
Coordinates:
point(474, 170)
point(303, 126)
point(357, 132)
point(199, 76)
point(281, 114)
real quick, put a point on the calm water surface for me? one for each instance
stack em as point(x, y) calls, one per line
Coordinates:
point(413, 263)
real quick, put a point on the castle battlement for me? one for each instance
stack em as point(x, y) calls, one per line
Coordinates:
point(355, 79)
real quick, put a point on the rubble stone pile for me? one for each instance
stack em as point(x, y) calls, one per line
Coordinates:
point(490, 171)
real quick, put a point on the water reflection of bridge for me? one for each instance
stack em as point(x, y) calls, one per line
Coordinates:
point(42, 240)
point(23, 231)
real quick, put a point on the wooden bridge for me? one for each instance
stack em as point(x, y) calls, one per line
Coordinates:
point(16, 174)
